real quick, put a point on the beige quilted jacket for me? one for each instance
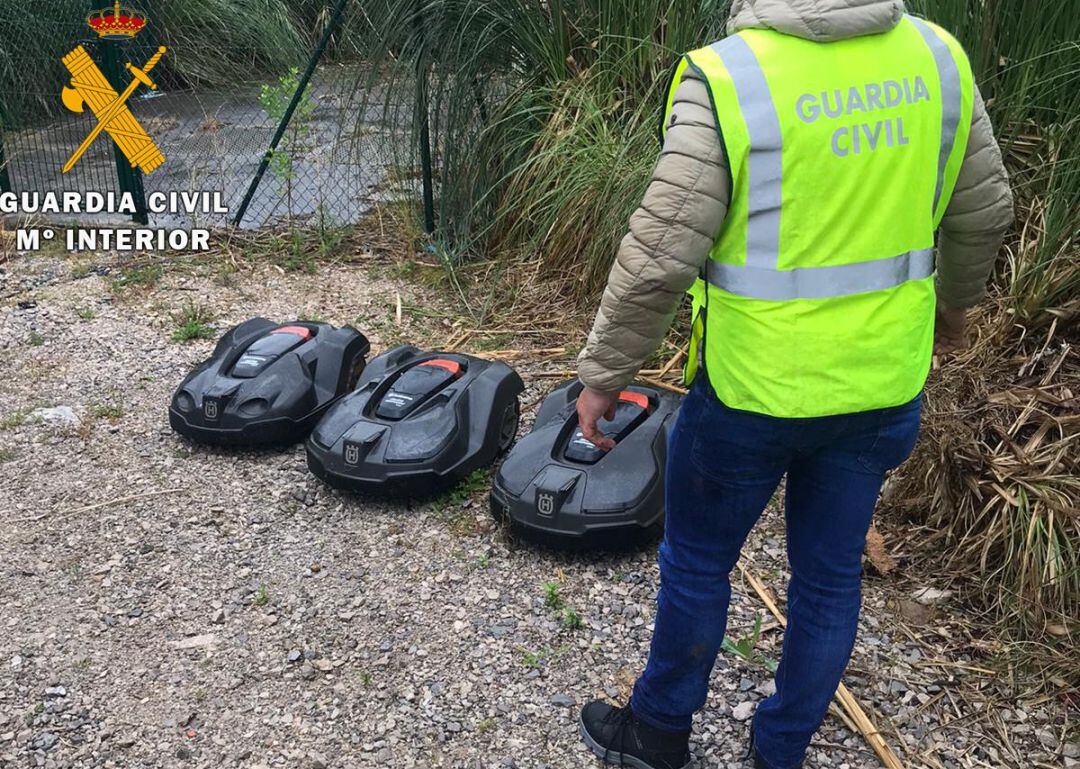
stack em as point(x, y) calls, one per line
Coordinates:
point(673, 231)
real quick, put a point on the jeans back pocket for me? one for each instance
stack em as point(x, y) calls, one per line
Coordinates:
point(897, 433)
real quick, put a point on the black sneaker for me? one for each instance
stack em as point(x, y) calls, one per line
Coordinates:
point(620, 738)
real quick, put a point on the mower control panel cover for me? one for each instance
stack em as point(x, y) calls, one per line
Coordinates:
point(268, 383)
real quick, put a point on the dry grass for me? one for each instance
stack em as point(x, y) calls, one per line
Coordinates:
point(996, 472)
point(993, 487)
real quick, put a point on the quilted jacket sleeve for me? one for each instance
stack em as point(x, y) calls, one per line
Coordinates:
point(977, 217)
point(669, 240)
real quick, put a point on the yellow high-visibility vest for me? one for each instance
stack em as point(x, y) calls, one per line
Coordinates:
point(818, 297)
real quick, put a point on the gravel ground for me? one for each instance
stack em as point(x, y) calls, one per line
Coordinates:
point(236, 612)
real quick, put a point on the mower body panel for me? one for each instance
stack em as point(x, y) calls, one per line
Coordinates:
point(557, 484)
point(267, 383)
point(417, 423)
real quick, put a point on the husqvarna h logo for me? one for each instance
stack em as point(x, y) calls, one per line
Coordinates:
point(545, 503)
point(352, 454)
point(210, 408)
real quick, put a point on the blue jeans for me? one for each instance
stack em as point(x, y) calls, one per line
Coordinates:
point(723, 467)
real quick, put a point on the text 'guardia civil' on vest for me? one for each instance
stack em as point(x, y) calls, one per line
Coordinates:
point(854, 139)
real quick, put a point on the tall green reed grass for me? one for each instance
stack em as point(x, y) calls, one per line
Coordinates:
point(1026, 58)
point(542, 112)
point(517, 88)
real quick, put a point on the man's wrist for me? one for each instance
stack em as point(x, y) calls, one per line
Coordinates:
point(605, 393)
point(603, 388)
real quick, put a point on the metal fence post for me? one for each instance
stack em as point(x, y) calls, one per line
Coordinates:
point(423, 117)
point(129, 177)
point(5, 179)
point(331, 28)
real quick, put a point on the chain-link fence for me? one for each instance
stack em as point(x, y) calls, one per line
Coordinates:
point(223, 86)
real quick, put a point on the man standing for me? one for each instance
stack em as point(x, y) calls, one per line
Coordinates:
point(808, 160)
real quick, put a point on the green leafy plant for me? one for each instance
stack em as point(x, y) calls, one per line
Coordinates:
point(453, 506)
point(81, 270)
point(330, 236)
point(571, 619)
point(15, 419)
point(275, 100)
point(552, 599)
point(485, 725)
point(294, 254)
point(109, 411)
point(745, 647)
point(193, 322)
point(531, 659)
point(138, 276)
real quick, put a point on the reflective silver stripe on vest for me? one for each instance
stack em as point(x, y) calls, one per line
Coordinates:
point(822, 282)
point(765, 168)
point(951, 97)
point(761, 277)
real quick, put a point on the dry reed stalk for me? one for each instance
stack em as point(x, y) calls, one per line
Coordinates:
point(538, 354)
point(457, 339)
point(100, 505)
point(676, 359)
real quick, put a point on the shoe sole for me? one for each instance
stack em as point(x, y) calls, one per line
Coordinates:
point(613, 757)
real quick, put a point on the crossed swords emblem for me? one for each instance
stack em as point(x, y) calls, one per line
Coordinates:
point(89, 87)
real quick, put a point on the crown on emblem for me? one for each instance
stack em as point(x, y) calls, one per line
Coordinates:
point(117, 23)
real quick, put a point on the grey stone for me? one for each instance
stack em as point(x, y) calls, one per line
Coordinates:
point(743, 711)
point(63, 416)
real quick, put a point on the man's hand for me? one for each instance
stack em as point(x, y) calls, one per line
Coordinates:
point(591, 406)
point(950, 330)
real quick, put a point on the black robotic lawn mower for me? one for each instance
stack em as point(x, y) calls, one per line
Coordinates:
point(560, 488)
point(268, 383)
point(417, 423)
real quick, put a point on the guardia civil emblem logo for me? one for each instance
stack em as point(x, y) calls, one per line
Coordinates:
point(90, 88)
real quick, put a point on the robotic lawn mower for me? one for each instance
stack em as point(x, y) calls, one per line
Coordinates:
point(559, 486)
point(268, 383)
point(417, 423)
